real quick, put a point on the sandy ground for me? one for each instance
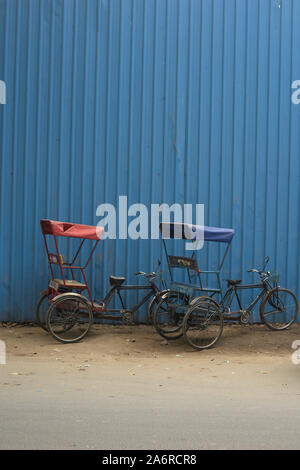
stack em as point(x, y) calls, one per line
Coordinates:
point(124, 388)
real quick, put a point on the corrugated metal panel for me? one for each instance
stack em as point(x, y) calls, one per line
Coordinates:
point(174, 101)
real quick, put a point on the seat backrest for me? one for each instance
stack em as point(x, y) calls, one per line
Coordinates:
point(182, 262)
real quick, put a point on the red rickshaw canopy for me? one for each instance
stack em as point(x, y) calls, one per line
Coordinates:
point(67, 229)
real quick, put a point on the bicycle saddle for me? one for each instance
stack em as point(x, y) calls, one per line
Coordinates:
point(233, 282)
point(116, 281)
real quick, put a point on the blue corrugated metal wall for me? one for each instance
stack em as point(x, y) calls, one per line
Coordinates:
point(166, 100)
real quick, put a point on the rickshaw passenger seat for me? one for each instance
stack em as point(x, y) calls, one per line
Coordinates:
point(70, 284)
point(116, 281)
point(233, 282)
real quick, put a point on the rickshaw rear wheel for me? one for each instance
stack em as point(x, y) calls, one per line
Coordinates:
point(203, 325)
point(153, 304)
point(166, 319)
point(205, 298)
point(69, 318)
point(41, 309)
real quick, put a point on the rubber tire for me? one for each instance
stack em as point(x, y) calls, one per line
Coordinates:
point(53, 305)
point(205, 298)
point(185, 328)
point(44, 295)
point(166, 335)
point(154, 301)
point(265, 300)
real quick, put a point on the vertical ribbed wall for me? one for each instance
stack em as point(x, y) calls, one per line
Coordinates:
point(163, 101)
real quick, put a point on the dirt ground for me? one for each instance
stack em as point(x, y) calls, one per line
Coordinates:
point(135, 375)
point(130, 344)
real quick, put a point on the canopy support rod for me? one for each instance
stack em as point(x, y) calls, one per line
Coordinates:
point(224, 256)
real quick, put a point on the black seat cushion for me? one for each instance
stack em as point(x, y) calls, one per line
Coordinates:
point(233, 282)
point(116, 281)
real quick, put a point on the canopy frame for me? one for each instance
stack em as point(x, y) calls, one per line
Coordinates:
point(192, 232)
point(229, 233)
point(57, 259)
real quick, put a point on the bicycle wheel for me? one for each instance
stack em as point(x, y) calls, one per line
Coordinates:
point(279, 309)
point(153, 304)
point(203, 325)
point(69, 318)
point(42, 308)
point(168, 315)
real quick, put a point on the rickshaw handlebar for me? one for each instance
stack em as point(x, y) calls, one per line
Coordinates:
point(147, 275)
point(261, 273)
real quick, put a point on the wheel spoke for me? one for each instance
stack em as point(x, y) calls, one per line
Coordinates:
point(69, 319)
point(203, 325)
point(279, 309)
point(272, 312)
point(167, 317)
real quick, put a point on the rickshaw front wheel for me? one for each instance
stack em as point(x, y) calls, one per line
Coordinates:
point(69, 318)
point(203, 325)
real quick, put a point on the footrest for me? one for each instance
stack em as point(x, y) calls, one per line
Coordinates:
point(182, 288)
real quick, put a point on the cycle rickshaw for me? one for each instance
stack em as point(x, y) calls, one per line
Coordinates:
point(62, 309)
point(197, 312)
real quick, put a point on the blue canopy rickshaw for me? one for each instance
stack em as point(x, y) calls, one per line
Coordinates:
point(175, 307)
point(196, 234)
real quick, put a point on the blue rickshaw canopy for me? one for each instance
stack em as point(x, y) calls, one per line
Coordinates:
point(196, 232)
